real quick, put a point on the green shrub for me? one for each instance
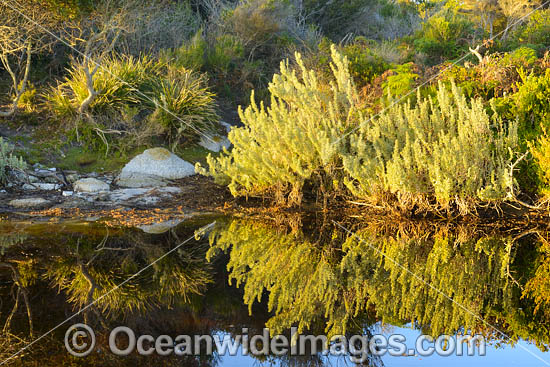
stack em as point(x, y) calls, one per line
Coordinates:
point(364, 64)
point(402, 80)
point(444, 153)
point(443, 37)
point(531, 105)
point(8, 161)
point(537, 29)
point(117, 82)
point(185, 107)
point(541, 152)
point(174, 102)
point(295, 140)
point(444, 149)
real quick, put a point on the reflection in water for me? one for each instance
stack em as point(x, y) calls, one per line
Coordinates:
point(327, 277)
point(299, 272)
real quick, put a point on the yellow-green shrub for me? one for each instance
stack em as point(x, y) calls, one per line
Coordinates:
point(293, 141)
point(442, 151)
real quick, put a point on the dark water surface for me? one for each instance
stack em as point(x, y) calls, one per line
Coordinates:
point(381, 277)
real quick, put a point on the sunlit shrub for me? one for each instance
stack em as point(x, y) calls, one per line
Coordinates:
point(541, 152)
point(295, 140)
point(445, 150)
point(532, 105)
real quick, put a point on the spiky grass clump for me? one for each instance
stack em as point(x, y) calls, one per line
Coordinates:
point(175, 103)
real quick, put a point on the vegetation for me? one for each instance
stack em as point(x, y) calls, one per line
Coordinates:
point(312, 78)
point(8, 161)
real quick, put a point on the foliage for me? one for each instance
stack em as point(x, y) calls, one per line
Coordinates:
point(380, 19)
point(541, 152)
point(175, 101)
point(537, 29)
point(184, 106)
point(402, 80)
point(531, 104)
point(8, 161)
point(444, 149)
point(443, 36)
point(293, 141)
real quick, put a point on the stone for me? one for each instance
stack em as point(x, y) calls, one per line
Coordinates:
point(41, 186)
point(158, 162)
point(90, 185)
point(161, 227)
point(226, 126)
point(29, 203)
point(214, 142)
point(136, 180)
point(67, 193)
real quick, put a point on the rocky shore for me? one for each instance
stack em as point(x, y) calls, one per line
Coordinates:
point(156, 178)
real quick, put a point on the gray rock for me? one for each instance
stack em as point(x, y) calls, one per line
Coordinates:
point(214, 142)
point(226, 125)
point(41, 186)
point(90, 185)
point(29, 203)
point(137, 180)
point(73, 177)
point(158, 162)
point(158, 228)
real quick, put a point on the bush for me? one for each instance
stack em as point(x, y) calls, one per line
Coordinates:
point(174, 102)
point(537, 29)
point(531, 105)
point(442, 37)
point(294, 141)
point(364, 64)
point(541, 152)
point(402, 80)
point(441, 152)
point(8, 161)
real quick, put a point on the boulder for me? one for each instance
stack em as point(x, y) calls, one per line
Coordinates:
point(29, 203)
point(90, 185)
point(153, 168)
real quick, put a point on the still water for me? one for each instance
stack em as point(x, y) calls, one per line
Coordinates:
point(312, 275)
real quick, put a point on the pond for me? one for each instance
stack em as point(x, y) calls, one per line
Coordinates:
point(228, 278)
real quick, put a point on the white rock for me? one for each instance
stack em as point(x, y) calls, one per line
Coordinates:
point(214, 142)
point(41, 186)
point(90, 185)
point(29, 203)
point(67, 193)
point(158, 162)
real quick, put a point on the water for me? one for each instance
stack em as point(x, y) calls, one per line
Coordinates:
point(223, 275)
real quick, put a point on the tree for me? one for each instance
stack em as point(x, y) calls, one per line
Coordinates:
point(23, 32)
